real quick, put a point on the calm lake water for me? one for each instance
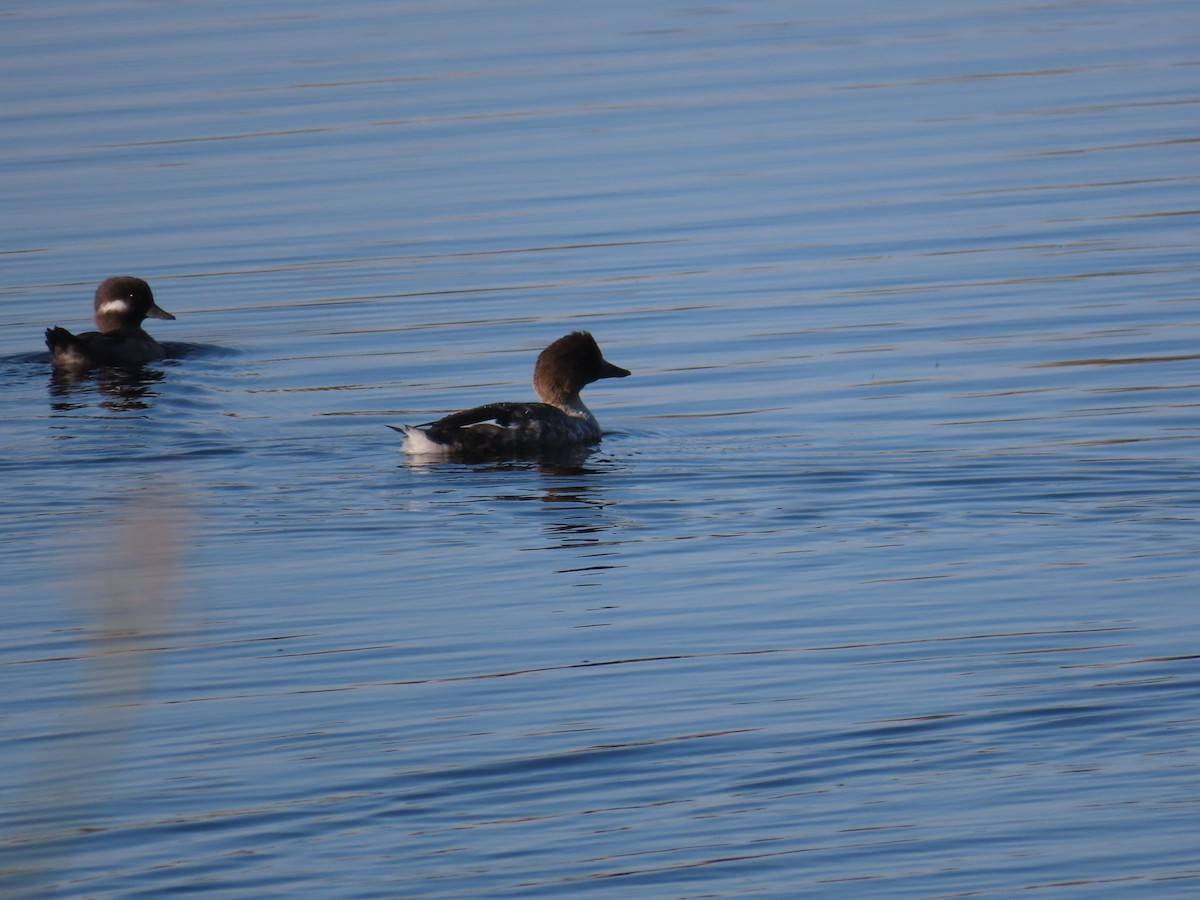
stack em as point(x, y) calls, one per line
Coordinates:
point(883, 583)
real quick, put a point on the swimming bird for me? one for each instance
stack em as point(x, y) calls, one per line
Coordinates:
point(122, 303)
point(560, 422)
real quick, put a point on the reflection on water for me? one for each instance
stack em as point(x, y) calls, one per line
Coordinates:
point(122, 595)
point(883, 581)
point(562, 461)
point(125, 389)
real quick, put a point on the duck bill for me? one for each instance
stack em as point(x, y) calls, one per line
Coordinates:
point(157, 312)
point(608, 370)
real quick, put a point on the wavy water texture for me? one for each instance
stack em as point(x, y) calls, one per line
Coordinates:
point(881, 583)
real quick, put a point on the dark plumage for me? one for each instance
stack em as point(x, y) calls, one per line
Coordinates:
point(122, 303)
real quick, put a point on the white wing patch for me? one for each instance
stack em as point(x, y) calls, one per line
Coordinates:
point(511, 426)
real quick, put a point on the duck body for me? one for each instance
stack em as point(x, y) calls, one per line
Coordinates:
point(502, 429)
point(559, 422)
point(121, 304)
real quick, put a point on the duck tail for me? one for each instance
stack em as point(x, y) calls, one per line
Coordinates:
point(66, 350)
point(418, 442)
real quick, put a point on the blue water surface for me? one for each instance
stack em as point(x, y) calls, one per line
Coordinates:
point(882, 582)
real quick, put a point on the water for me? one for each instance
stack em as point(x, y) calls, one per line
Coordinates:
point(882, 584)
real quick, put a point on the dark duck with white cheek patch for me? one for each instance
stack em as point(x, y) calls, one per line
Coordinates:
point(122, 304)
point(560, 422)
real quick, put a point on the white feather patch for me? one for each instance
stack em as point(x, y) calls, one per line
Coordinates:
point(113, 306)
point(418, 443)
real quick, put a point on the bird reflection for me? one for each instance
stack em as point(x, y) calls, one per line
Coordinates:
point(565, 461)
point(574, 494)
point(581, 501)
point(571, 488)
point(123, 389)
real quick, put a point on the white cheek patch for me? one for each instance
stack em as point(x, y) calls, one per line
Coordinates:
point(113, 306)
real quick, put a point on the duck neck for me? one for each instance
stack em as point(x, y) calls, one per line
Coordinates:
point(573, 405)
point(107, 322)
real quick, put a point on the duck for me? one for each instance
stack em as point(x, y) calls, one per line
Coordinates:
point(121, 304)
point(560, 422)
